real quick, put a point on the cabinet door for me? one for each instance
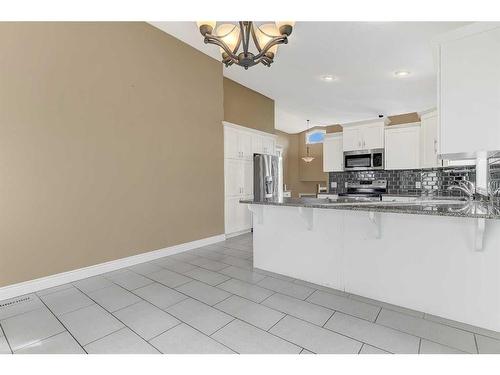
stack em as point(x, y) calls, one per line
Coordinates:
point(231, 147)
point(237, 215)
point(351, 140)
point(247, 174)
point(332, 154)
point(233, 178)
point(257, 144)
point(429, 142)
point(232, 215)
point(246, 215)
point(469, 90)
point(245, 145)
point(402, 148)
point(372, 137)
point(268, 145)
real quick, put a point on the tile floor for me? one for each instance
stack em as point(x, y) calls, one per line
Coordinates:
point(212, 300)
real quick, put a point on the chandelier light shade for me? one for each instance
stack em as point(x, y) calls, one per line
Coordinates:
point(234, 40)
point(308, 158)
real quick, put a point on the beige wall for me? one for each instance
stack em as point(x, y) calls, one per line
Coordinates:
point(404, 118)
point(313, 171)
point(107, 134)
point(291, 165)
point(246, 107)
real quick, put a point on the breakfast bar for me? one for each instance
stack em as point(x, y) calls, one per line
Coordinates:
point(436, 256)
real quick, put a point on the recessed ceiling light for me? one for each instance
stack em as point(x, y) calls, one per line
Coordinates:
point(328, 78)
point(402, 73)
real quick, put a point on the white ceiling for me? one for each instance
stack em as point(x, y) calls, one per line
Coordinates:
point(362, 55)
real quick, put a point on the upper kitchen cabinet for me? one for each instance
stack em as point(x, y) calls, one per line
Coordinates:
point(237, 144)
point(363, 136)
point(469, 90)
point(402, 146)
point(332, 153)
point(429, 140)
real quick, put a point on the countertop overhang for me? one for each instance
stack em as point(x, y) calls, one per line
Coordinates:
point(467, 209)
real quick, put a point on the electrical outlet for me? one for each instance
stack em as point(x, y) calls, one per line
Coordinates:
point(333, 184)
point(418, 185)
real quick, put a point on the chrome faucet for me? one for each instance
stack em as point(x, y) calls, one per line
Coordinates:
point(465, 186)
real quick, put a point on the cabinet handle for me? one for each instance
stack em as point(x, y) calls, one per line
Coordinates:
point(435, 146)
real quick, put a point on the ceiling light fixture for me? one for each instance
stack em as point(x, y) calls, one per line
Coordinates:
point(402, 73)
point(229, 37)
point(328, 78)
point(308, 158)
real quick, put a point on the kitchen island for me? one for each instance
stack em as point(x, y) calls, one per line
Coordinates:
point(437, 256)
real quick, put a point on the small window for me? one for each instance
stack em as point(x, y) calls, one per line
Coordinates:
point(315, 136)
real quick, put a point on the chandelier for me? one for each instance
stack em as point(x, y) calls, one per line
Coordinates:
point(308, 158)
point(230, 38)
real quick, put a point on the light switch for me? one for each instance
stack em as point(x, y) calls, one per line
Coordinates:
point(418, 185)
point(333, 184)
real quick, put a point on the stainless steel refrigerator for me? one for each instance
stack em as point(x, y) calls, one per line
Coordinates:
point(267, 184)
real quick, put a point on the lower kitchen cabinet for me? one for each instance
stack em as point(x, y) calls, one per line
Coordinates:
point(402, 146)
point(237, 216)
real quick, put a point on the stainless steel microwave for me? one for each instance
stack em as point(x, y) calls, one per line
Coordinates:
point(362, 160)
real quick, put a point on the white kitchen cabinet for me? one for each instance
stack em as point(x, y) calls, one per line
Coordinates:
point(237, 144)
point(363, 136)
point(257, 144)
point(240, 143)
point(373, 136)
point(239, 177)
point(351, 139)
point(333, 155)
point(268, 145)
point(469, 90)
point(238, 217)
point(429, 140)
point(402, 146)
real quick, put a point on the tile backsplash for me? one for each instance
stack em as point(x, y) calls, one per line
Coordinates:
point(433, 181)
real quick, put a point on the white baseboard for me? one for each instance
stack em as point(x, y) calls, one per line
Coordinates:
point(31, 286)
point(234, 234)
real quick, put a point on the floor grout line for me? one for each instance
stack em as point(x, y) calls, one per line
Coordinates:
point(6, 338)
point(161, 333)
point(111, 313)
point(180, 320)
point(64, 326)
point(231, 294)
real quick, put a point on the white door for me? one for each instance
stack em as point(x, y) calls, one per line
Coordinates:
point(268, 145)
point(232, 215)
point(332, 154)
point(246, 215)
point(231, 147)
point(402, 148)
point(257, 144)
point(469, 90)
point(234, 177)
point(238, 217)
point(247, 175)
point(351, 139)
point(429, 142)
point(372, 137)
point(245, 145)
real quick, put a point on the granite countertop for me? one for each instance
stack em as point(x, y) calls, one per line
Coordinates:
point(440, 206)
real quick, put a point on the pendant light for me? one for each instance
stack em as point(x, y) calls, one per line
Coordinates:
point(308, 158)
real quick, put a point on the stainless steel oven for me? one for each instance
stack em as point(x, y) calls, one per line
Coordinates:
point(362, 160)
